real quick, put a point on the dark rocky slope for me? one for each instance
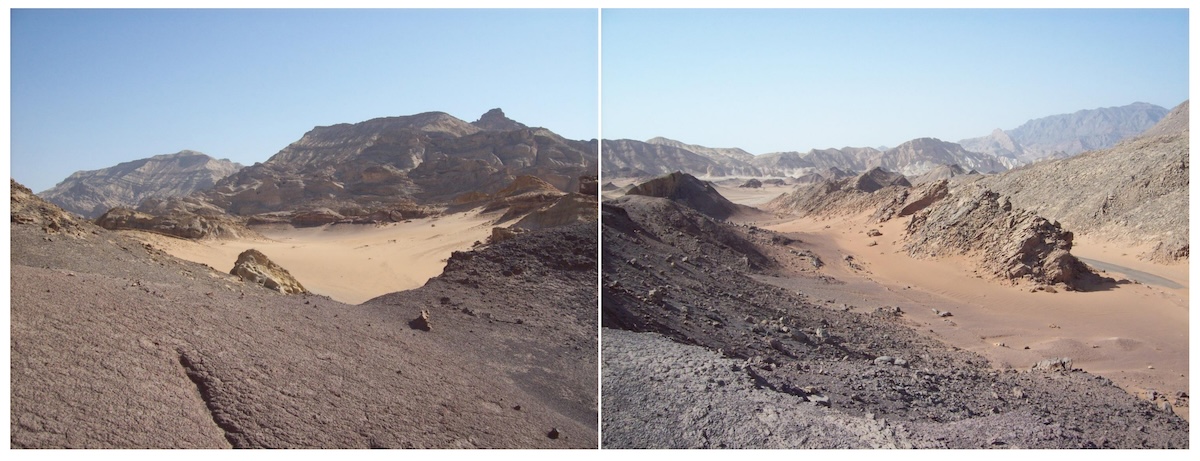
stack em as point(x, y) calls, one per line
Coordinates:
point(115, 344)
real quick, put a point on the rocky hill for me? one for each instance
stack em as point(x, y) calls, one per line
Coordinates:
point(116, 344)
point(91, 193)
point(1135, 192)
point(942, 172)
point(691, 192)
point(842, 196)
point(1065, 135)
point(392, 163)
point(919, 156)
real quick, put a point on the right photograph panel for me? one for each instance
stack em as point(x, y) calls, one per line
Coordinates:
point(894, 229)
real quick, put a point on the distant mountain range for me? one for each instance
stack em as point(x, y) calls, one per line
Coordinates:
point(91, 193)
point(1056, 136)
point(1060, 136)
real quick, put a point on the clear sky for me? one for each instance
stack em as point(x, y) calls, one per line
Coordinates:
point(780, 80)
point(94, 88)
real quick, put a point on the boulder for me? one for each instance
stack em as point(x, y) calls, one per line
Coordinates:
point(254, 267)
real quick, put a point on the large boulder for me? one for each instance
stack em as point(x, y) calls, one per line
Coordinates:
point(254, 267)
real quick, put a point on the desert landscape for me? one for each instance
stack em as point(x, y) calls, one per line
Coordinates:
point(346, 293)
point(1025, 309)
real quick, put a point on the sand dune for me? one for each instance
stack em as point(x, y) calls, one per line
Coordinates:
point(1134, 334)
point(347, 262)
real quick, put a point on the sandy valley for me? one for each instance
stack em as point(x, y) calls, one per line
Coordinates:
point(350, 263)
point(1134, 333)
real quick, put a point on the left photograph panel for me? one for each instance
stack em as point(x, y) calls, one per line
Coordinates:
point(304, 228)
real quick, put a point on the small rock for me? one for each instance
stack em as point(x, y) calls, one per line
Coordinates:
point(1057, 363)
point(553, 434)
point(421, 322)
point(884, 360)
point(820, 400)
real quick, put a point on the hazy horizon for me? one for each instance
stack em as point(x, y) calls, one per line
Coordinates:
point(794, 80)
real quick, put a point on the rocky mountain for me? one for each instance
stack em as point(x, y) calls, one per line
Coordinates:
point(631, 159)
point(91, 193)
point(389, 165)
point(1065, 135)
point(1135, 191)
point(116, 344)
point(715, 153)
point(919, 156)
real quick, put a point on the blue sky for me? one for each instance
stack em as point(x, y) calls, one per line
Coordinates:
point(779, 80)
point(93, 88)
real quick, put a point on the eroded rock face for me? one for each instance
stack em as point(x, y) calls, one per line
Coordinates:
point(91, 193)
point(1010, 244)
point(254, 267)
point(27, 208)
point(426, 159)
point(180, 217)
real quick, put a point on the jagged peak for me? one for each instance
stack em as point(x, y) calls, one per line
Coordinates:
point(495, 120)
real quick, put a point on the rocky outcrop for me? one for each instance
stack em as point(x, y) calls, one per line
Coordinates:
point(254, 267)
point(27, 208)
point(315, 217)
point(91, 193)
point(180, 217)
point(752, 184)
point(495, 120)
point(1007, 243)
